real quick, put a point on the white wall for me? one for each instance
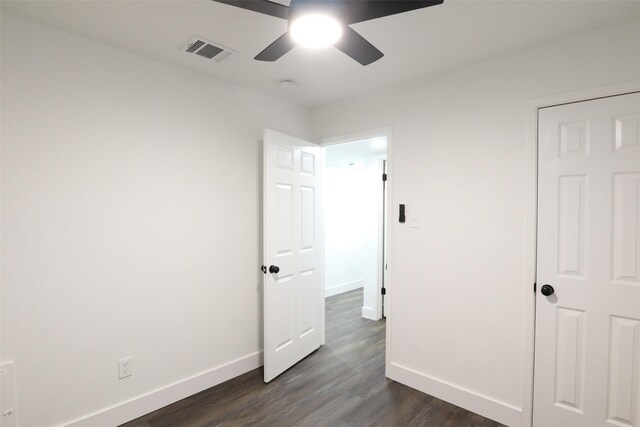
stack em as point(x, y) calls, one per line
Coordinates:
point(458, 282)
point(131, 206)
point(344, 229)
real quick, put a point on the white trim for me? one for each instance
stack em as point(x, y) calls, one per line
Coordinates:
point(531, 153)
point(342, 288)
point(369, 313)
point(149, 402)
point(467, 399)
point(388, 282)
point(586, 94)
point(321, 248)
point(530, 263)
point(358, 136)
point(382, 240)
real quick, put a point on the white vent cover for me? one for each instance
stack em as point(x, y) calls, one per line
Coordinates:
point(208, 49)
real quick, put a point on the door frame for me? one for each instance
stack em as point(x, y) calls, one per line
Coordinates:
point(531, 220)
point(359, 136)
point(383, 226)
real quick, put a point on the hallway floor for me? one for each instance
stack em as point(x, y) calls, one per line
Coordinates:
point(340, 384)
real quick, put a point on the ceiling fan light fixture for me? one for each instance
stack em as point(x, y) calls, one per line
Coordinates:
point(315, 30)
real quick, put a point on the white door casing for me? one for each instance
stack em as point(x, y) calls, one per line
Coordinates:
point(587, 351)
point(293, 297)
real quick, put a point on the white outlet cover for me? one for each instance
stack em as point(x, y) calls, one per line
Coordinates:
point(125, 367)
point(8, 410)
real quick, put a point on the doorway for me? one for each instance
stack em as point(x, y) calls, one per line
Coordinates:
point(354, 195)
point(587, 334)
point(293, 245)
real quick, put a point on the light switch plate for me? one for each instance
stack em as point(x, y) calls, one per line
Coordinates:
point(414, 219)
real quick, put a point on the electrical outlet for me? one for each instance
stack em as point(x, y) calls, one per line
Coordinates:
point(125, 367)
point(8, 413)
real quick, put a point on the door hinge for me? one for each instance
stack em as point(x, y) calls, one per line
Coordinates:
point(383, 291)
point(535, 287)
point(384, 176)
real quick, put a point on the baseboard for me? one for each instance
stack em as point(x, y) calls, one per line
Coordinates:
point(369, 313)
point(467, 399)
point(164, 396)
point(345, 287)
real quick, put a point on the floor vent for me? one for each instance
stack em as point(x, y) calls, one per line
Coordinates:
point(208, 49)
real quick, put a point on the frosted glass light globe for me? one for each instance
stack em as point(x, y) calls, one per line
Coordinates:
point(315, 31)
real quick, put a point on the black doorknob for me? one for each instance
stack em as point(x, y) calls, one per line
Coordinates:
point(274, 269)
point(547, 290)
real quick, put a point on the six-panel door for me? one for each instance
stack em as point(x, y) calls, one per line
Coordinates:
point(293, 243)
point(587, 369)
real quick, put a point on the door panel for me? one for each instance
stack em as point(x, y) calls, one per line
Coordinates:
point(292, 242)
point(626, 238)
point(570, 340)
point(572, 200)
point(624, 379)
point(587, 357)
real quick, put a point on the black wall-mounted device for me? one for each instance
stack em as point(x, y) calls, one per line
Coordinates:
point(402, 218)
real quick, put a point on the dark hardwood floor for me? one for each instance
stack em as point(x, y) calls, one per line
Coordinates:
point(340, 384)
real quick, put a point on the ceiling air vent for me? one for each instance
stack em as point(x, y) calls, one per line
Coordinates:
point(208, 49)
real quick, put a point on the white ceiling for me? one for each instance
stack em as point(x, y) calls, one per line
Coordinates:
point(415, 44)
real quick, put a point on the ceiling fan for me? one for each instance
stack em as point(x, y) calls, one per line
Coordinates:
point(320, 23)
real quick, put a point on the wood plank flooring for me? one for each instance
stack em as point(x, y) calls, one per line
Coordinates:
point(341, 384)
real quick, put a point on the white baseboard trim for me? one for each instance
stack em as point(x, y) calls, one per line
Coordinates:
point(369, 313)
point(467, 399)
point(344, 287)
point(141, 405)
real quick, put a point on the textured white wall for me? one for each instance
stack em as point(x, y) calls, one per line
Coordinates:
point(131, 221)
point(458, 158)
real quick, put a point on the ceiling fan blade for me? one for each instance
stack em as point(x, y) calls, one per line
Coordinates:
point(364, 10)
point(276, 49)
point(357, 47)
point(261, 6)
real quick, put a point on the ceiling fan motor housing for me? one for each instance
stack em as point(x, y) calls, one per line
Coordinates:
point(313, 7)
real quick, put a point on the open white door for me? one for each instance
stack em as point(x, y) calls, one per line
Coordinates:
point(587, 352)
point(293, 281)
